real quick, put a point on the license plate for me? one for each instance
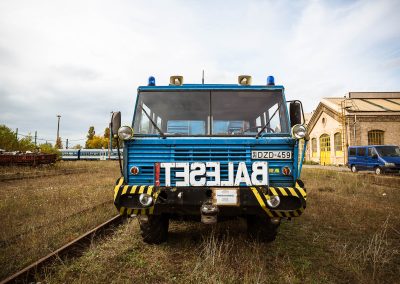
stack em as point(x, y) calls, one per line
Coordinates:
point(227, 197)
point(269, 155)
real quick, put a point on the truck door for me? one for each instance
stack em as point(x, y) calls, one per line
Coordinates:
point(372, 158)
point(361, 158)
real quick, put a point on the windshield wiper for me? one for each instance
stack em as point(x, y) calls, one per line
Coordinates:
point(266, 123)
point(152, 122)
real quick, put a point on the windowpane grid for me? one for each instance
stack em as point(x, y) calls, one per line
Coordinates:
point(375, 137)
point(314, 147)
point(338, 141)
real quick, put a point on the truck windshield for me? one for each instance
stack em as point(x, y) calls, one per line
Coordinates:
point(388, 151)
point(200, 113)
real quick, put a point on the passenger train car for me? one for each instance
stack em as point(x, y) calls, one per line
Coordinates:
point(89, 154)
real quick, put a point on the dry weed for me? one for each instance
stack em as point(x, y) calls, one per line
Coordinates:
point(370, 257)
point(344, 236)
point(39, 215)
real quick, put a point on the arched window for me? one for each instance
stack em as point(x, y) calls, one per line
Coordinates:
point(314, 147)
point(338, 144)
point(375, 137)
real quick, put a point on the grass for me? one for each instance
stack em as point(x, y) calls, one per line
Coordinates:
point(38, 215)
point(348, 234)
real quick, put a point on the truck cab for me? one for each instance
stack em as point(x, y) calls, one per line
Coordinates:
point(211, 152)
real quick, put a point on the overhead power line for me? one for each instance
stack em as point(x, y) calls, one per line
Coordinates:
point(48, 140)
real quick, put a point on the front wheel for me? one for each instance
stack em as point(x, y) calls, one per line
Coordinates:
point(155, 229)
point(378, 171)
point(261, 228)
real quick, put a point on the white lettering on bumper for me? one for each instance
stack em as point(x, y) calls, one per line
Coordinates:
point(196, 174)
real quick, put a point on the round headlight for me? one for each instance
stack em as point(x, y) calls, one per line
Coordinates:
point(299, 131)
point(274, 201)
point(145, 199)
point(125, 132)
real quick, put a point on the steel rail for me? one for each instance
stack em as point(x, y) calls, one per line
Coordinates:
point(27, 274)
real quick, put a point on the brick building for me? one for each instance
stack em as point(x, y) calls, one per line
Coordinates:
point(359, 118)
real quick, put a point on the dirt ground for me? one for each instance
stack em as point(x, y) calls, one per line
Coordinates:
point(43, 208)
point(349, 233)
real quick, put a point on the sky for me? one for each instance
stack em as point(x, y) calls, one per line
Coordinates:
point(84, 59)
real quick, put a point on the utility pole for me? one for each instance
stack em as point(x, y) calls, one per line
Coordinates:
point(16, 133)
point(58, 127)
point(35, 137)
point(66, 144)
point(110, 144)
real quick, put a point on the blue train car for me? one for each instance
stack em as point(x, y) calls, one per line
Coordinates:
point(69, 154)
point(89, 154)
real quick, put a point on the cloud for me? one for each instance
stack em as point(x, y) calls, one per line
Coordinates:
point(83, 59)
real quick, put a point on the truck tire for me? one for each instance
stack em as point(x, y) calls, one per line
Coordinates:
point(353, 168)
point(155, 230)
point(261, 228)
point(378, 170)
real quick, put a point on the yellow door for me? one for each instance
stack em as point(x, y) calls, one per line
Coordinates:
point(325, 149)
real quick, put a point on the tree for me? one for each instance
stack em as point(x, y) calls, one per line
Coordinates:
point(8, 139)
point(114, 140)
point(90, 136)
point(107, 133)
point(26, 144)
point(91, 133)
point(47, 148)
point(77, 146)
point(10, 142)
point(58, 144)
point(107, 136)
point(97, 142)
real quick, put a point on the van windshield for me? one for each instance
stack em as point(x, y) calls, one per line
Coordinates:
point(204, 113)
point(388, 151)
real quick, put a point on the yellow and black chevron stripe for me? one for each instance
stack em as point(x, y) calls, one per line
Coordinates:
point(120, 190)
point(262, 194)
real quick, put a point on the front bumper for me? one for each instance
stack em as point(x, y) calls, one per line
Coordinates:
point(188, 200)
point(392, 169)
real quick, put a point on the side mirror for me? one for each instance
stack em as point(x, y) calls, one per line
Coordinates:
point(115, 122)
point(295, 113)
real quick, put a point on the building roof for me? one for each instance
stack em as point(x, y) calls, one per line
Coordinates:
point(365, 102)
point(307, 117)
point(360, 103)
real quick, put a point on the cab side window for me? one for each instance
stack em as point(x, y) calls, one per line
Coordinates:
point(371, 152)
point(361, 152)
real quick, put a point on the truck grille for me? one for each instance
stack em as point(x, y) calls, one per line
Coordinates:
point(144, 156)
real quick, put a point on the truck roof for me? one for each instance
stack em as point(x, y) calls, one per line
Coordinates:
point(211, 87)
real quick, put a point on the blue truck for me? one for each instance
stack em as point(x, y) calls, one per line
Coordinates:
point(209, 153)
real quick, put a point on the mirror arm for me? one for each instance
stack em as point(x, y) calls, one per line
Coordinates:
point(116, 116)
point(119, 157)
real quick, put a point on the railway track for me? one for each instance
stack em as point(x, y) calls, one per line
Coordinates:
point(19, 176)
point(73, 248)
point(17, 237)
